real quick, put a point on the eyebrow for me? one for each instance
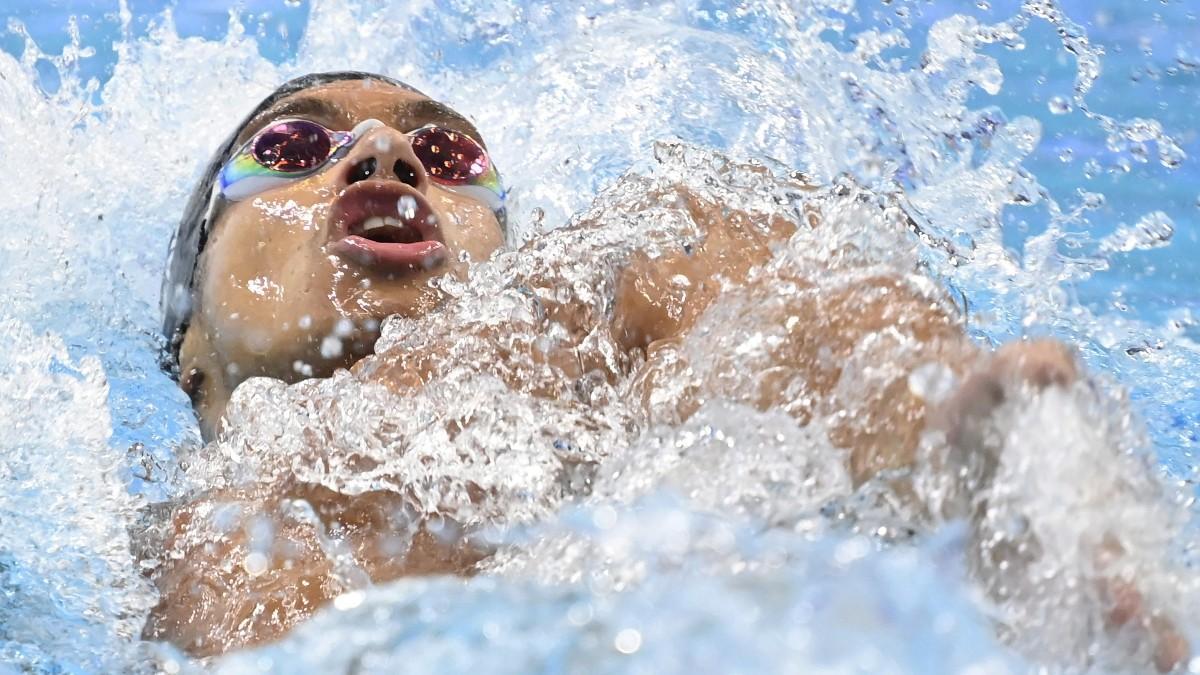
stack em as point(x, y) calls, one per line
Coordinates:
point(407, 116)
point(417, 114)
point(316, 109)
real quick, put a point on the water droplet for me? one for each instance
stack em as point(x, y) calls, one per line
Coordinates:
point(1170, 154)
point(1092, 200)
point(331, 347)
point(628, 641)
point(255, 564)
point(1059, 105)
point(604, 517)
point(932, 382)
point(407, 206)
point(348, 601)
point(1154, 230)
point(580, 613)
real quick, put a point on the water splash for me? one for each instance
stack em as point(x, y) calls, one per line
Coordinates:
point(721, 623)
point(918, 177)
point(74, 598)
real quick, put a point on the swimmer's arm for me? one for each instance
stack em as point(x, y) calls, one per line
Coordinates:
point(241, 567)
point(219, 588)
point(883, 419)
point(659, 300)
point(876, 411)
point(657, 297)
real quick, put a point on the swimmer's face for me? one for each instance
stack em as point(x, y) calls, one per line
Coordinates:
point(298, 274)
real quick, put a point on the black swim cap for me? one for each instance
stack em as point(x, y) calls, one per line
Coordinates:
point(179, 277)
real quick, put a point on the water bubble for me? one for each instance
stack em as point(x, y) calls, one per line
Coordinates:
point(932, 383)
point(628, 641)
point(852, 550)
point(605, 517)
point(1139, 152)
point(348, 601)
point(1170, 154)
point(1059, 105)
point(255, 563)
point(331, 347)
point(580, 613)
point(1091, 200)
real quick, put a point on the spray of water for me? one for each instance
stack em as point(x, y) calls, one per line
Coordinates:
point(620, 528)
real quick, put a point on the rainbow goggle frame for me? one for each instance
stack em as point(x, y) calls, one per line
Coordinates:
point(292, 149)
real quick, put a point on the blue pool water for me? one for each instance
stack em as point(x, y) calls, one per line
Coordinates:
point(98, 174)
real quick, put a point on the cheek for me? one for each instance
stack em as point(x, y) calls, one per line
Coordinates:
point(259, 246)
point(467, 225)
point(266, 229)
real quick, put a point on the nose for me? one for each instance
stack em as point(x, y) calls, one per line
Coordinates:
point(385, 154)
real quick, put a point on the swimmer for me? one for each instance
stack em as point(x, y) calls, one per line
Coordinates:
point(402, 190)
point(332, 207)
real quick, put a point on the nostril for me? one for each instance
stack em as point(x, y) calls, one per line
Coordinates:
point(363, 170)
point(406, 173)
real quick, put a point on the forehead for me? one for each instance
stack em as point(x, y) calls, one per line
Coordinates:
point(341, 105)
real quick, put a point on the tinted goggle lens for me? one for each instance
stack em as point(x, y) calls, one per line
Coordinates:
point(449, 156)
point(293, 146)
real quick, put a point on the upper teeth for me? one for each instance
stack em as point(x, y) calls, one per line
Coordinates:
point(376, 222)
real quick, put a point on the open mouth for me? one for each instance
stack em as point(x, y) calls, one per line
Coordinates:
point(387, 225)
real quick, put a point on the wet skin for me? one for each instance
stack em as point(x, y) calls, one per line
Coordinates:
point(277, 281)
point(209, 605)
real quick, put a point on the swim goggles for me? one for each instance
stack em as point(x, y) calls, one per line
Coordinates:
point(291, 149)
